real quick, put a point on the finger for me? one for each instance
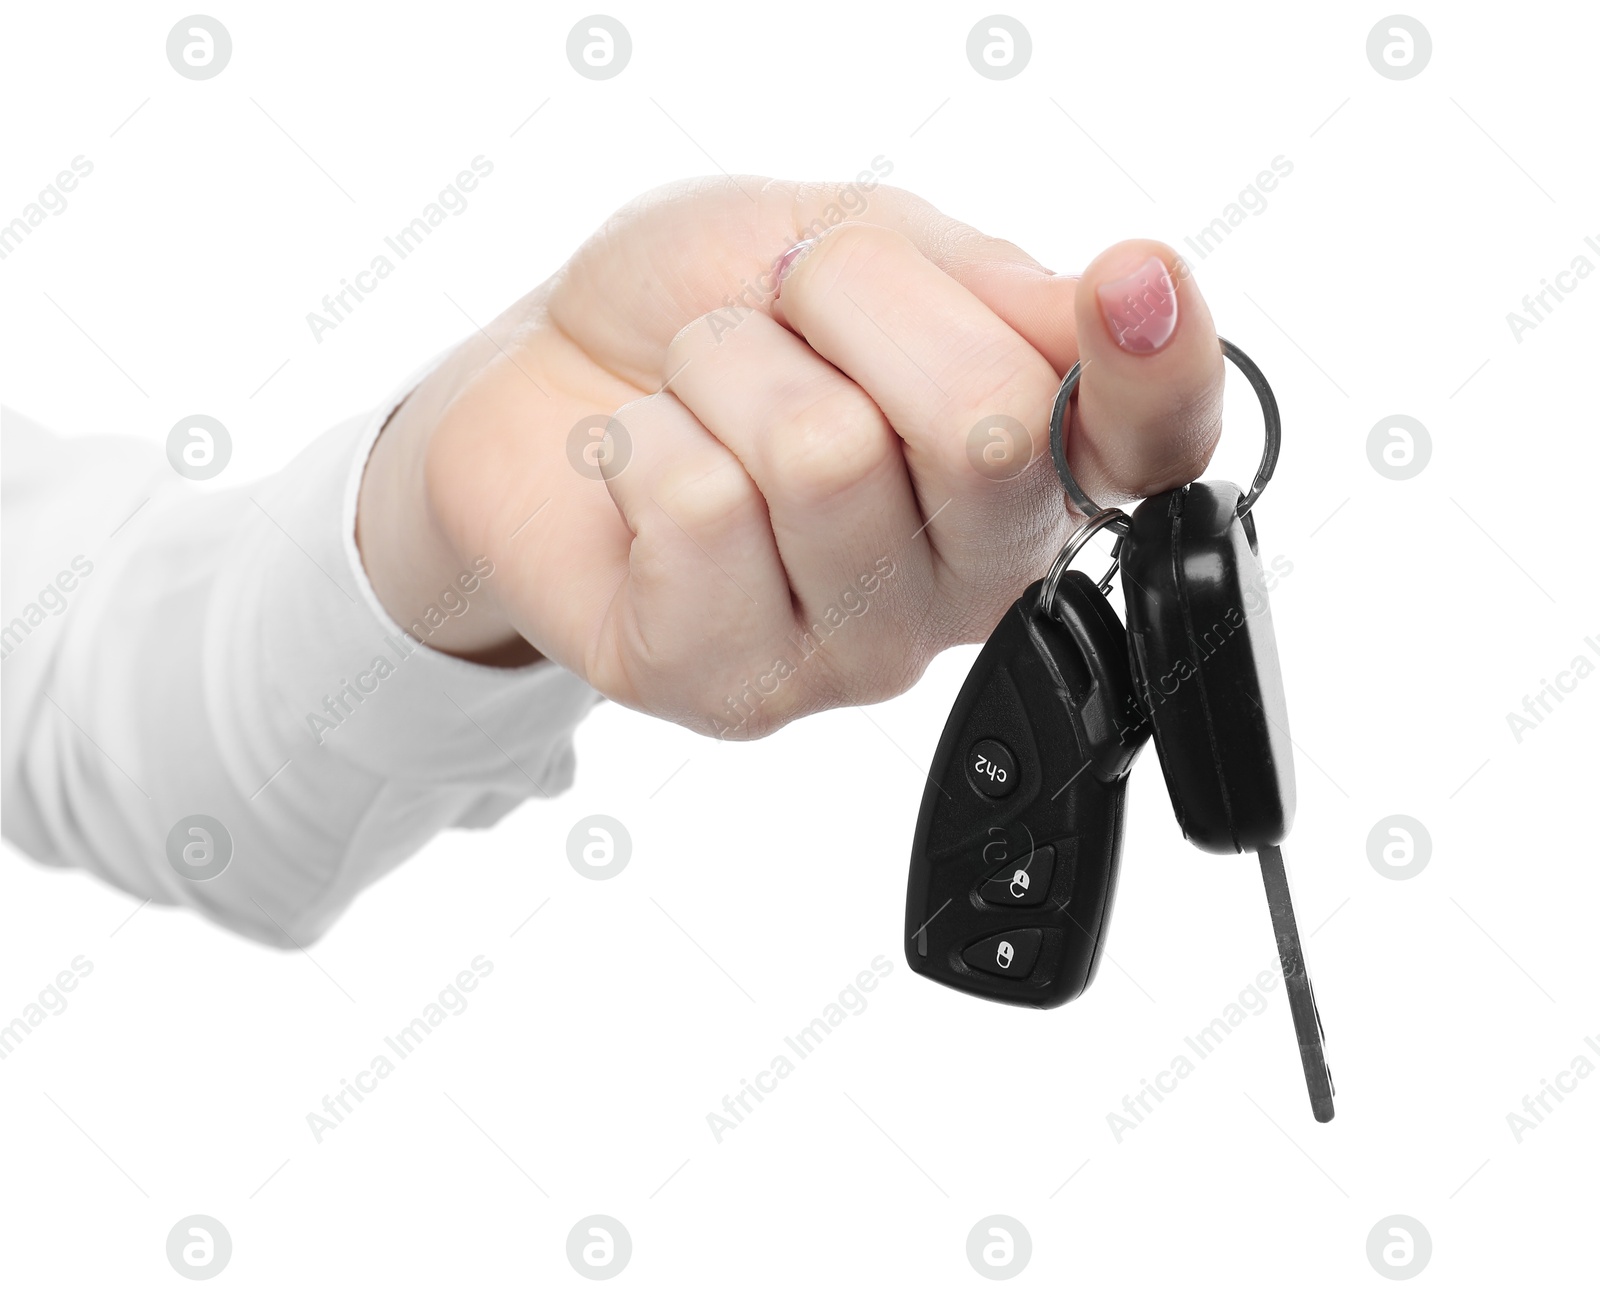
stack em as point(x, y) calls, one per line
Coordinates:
point(701, 245)
point(1010, 281)
point(1148, 410)
point(824, 457)
point(1154, 426)
point(947, 372)
point(1142, 444)
point(703, 572)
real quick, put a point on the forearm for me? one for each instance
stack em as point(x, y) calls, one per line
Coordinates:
point(227, 658)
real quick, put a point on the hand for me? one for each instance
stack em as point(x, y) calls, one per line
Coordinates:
point(802, 513)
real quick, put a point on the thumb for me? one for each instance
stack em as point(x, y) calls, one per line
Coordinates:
point(1148, 409)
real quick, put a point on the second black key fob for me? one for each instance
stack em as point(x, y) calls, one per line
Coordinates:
point(1205, 662)
point(1014, 864)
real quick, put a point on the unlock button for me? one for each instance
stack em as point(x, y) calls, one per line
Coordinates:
point(1009, 954)
point(1025, 881)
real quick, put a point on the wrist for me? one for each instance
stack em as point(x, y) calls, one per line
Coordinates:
point(430, 587)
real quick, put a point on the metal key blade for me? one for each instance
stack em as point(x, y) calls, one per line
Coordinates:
point(1302, 1000)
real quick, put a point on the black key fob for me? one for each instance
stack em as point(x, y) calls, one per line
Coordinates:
point(1205, 662)
point(1014, 865)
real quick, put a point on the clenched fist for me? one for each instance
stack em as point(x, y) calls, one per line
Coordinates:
point(740, 460)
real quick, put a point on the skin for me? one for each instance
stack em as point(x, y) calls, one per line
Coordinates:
point(780, 455)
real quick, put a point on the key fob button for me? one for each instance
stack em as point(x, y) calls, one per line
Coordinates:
point(1025, 881)
point(991, 769)
point(1010, 954)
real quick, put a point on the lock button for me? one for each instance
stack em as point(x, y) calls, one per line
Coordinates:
point(1008, 954)
point(1026, 881)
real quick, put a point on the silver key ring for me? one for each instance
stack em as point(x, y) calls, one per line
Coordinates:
point(1069, 551)
point(1269, 456)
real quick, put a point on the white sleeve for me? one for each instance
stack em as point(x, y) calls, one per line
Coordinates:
point(172, 652)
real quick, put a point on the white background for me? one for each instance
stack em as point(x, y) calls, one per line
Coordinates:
point(764, 878)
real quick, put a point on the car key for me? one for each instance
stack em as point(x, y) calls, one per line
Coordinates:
point(1014, 863)
point(1205, 664)
point(1206, 668)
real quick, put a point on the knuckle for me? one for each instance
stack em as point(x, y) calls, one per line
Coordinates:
point(826, 444)
point(999, 388)
point(709, 501)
